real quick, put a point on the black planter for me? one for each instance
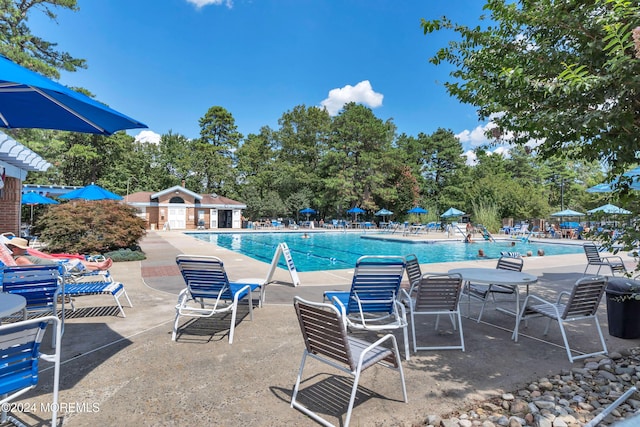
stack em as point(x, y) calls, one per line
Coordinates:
point(623, 310)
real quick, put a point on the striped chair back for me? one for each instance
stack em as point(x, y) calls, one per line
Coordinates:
point(585, 297)
point(375, 284)
point(592, 253)
point(38, 284)
point(509, 263)
point(414, 273)
point(438, 293)
point(205, 277)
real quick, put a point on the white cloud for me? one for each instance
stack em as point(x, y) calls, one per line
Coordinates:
point(477, 136)
point(362, 93)
point(472, 159)
point(202, 3)
point(148, 136)
point(503, 150)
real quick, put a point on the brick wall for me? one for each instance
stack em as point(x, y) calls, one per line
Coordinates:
point(10, 206)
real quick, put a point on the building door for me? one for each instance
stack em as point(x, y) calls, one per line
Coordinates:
point(177, 218)
point(224, 218)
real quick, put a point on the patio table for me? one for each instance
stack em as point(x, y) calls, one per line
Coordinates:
point(494, 276)
point(11, 303)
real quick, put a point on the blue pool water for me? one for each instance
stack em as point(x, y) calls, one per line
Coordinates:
point(335, 251)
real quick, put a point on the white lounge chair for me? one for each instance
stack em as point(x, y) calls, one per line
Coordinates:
point(209, 291)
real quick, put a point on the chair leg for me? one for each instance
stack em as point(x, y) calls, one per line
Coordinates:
point(296, 389)
point(175, 325)
point(484, 302)
point(460, 328)
point(413, 332)
point(354, 391)
point(234, 311)
point(406, 342)
point(564, 339)
point(396, 352)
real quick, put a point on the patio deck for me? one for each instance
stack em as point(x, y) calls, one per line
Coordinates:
point(127, 371)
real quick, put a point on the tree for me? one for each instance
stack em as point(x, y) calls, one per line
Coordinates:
point(303, 137)
point(563, 72)
point(20, 45)
point(356, 167)
point(219, 139)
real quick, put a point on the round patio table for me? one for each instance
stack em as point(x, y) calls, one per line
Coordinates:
point(494, 276)
point(11, 303)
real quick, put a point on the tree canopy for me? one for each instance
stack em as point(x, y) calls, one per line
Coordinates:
point(565, 73)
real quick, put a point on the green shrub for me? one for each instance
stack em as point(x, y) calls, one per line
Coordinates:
point(90, 227)
point(126, 255)
point(486, 213)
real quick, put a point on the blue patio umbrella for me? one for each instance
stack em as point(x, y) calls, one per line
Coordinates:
point(355, 210)
point(567, 212)
point(91, 192)
point(307, 212)
point(32, 198)
point(607, 187)
point(451, 213)
point(30, 100)
point(384, 213)
point(417, 210)
point(609, 209)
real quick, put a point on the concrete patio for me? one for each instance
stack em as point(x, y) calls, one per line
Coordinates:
point(127, 371)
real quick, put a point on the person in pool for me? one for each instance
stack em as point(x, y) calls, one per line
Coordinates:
point(468, 239)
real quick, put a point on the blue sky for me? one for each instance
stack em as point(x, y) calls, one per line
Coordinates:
point(165, 62)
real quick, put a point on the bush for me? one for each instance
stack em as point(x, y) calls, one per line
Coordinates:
point(486, 214)
point(126, 255)
point(90, 227)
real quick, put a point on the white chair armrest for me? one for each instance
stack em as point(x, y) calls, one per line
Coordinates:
point(561, 294)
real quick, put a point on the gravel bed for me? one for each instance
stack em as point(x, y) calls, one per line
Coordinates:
point(569, 399)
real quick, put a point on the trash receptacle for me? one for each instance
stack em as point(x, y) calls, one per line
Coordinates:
point(623, 307)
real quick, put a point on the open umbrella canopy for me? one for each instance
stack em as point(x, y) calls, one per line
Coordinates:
point(307, 211)
point(30, 100)
point(33, 198)
point(609, 209)
point(356, 210)
point(417, 210)
point(452, 212)
point(567, 212)
point(383, 212)
point(91, 192)
point(607, 187)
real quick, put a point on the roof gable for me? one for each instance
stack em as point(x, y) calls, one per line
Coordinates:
point(174, 189)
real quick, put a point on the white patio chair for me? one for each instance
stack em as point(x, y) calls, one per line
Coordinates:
point(373, 302)
point(579, 304)
point(436, 295)
point(325, 336)
point(614, 262)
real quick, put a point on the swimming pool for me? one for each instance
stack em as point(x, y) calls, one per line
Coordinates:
point(336, 250)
